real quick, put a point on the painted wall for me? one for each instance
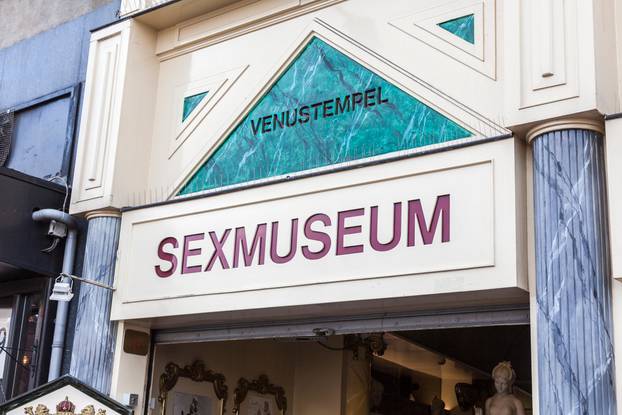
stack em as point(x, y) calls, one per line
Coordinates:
point(23, 20)
point(51, 60)
point(38, 66)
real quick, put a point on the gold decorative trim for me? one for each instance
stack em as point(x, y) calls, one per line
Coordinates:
point(196, 372)
point(65, 407)
point(103, 213)
point(262, 386)
point(565, 124)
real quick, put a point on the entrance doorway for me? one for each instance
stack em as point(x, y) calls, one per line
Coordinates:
point(444, 371)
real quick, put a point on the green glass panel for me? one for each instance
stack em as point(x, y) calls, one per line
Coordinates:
point(325, 109)
point(190, 103)
point(463, 27)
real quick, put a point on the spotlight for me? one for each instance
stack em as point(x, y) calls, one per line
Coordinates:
point(62, 290)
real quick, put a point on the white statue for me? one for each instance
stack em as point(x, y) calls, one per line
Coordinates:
point(503, 402)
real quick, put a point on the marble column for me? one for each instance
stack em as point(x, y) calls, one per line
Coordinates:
point(573, 286)
point(94, 339)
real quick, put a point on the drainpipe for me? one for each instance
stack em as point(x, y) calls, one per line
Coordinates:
point(60, 325)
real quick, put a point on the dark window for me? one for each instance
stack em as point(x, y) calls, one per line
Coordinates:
point(20, 339)
point(42, 140)
point(6, 313)
point(39, 139)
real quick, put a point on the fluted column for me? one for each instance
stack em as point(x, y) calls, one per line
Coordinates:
point(94, 340)
point(573, 287)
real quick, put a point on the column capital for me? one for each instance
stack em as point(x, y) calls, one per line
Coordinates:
point(566, 124)
point(106, 213)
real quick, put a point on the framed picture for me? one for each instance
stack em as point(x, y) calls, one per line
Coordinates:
point(192, 404)
point(259, 397)
point(191, 390)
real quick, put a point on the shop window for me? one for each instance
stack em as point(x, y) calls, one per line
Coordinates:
point(440, 372)
point(20, 333)
point(463, 27)
point(28, 342)
point(42, 136)
point(326, 109)
point(6, 312)
point(449, 368)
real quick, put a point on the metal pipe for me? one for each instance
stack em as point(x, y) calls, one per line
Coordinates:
point(62, 310)
point(46, 215)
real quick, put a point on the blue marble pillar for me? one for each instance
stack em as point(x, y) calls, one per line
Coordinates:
point(573, 288)
point(94, 339)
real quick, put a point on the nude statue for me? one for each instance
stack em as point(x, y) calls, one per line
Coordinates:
point(503, 402)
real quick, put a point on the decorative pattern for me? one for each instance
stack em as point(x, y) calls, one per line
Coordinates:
point(262, 386)
point(573, 287)
point(195, 372)
point(463, 27)
point(191, 102)
point(65, 407)
point(324, 109)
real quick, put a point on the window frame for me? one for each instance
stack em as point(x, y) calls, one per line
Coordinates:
point(73, 94)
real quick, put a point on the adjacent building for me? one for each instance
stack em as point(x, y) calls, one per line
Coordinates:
point(43, 55)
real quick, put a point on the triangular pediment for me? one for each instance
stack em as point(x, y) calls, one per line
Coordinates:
point(324, 109)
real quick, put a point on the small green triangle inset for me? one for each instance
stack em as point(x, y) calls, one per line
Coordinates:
point(463, 27)
point(325, 109)
point(190, 103)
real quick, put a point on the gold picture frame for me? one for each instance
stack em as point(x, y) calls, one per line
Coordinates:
point(259, 396)
point(196, 372)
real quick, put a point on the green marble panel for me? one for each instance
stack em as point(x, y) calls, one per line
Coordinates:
point(324, 109)
point(463, 27)
point(190, 103)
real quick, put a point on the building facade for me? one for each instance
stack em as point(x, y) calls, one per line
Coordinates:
point(352, 206)
point(43, 59)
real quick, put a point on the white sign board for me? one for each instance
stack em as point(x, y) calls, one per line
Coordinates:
point(357, 226)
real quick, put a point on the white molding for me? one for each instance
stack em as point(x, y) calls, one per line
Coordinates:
point(480, 56)
point(565, 124)
point(431, 24)
point(549, 64)
point(217, 86)
point(100, 119)
point(171, 44)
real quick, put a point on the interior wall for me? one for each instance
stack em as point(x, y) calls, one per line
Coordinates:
point(357, 381)
point(318, 382)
